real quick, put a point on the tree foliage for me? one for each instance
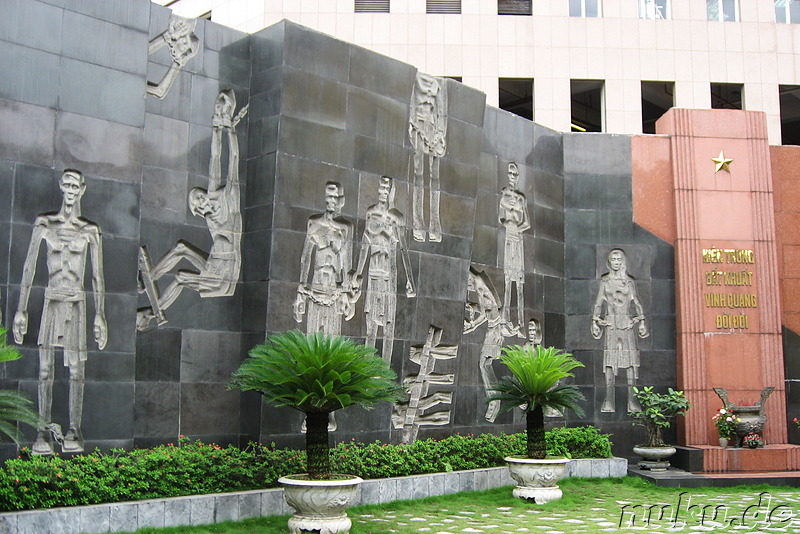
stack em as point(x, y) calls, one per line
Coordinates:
point(535, 386)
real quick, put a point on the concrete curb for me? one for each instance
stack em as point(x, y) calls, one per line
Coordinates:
point(216, 508)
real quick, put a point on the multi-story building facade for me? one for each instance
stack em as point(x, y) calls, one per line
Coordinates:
point(599, 65)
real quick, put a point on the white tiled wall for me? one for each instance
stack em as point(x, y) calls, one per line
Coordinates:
point(552, 48)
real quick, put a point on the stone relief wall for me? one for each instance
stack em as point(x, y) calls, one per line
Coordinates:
point(306, 228)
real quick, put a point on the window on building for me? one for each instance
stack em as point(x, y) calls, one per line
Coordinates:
point(722, 10)
point(514, 7)
point(790, 114)
point(727, 96)
point(657, 98)
point(516, 96)
point(787, 11)
point(372, 6)
point(584, 8)
point(653, 9)
point(443, 6)
point(588, 108)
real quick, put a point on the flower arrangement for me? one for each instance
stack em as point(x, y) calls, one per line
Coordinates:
point(796, 422)
point(725, 421)
point(753, 440)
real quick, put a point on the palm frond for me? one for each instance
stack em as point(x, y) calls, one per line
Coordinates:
point(317, 373)
point(536, 373)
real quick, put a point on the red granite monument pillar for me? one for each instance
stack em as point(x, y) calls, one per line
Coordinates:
point(728, 298)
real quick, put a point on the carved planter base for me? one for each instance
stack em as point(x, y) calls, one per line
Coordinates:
point(654, 458)
point(537, 479)
point(320, 504)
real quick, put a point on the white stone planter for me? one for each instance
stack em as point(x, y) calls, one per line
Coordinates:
point(654, 458)
point(320, 504)
point(537, 479)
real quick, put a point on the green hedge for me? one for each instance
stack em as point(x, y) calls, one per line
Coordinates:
point(193, 467)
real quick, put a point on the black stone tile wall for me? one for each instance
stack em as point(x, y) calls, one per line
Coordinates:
point(73, 94)
point(598, 217)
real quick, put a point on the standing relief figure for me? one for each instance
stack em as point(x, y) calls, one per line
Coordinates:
point(427, 129)
point(513, 215)
point(485, 308)
point(217, 270)
point(384, 234)
point(68, 237)
point(183, 44)
point(325, 293)
point(619, 314)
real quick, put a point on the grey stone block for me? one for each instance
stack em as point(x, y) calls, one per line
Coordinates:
point(594, 153)
point(156, 409)
point(381, 75)
point(373, 115)
point(465, 103)
point(316, 52)
point(600, 468)
point(197, 419)
point(29, 75)
point(548, 150)
point(78, 138)
point(314, 98)
point(223, 39)
point(33, 128)
point(581, 468)
point(151, 514)
point(166, 143)
point(208, 356)
point(35, 24)
point(124, 517)
point(177, 511)
point(370, 492)
point(113, 95)
point(406, 488)
point(129, 14)
point(164, 194)
point(226, 508)
point(103, 43)
point(595, 191)
point(317, 142)
point(175, 106)
point(107, 410)
point(437, 484)
point(466, 481)
point(389, 490)
point(9, 523)
point(228, 69)
point(273, 503)
point(548, 189)
point(420, 488)
point(372, 156)
point(482, 480)
point(202, 510)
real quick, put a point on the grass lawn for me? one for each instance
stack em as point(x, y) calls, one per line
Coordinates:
point(588, 505)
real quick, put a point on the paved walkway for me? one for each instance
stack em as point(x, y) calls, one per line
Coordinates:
point(691, 511)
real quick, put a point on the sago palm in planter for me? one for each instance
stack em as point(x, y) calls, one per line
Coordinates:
point(317, 375)
point(534, 386)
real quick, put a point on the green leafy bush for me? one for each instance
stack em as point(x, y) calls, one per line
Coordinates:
point(579, 442)
point(193, 467)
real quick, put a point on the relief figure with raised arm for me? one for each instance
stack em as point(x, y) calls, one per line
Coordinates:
point(217, 271)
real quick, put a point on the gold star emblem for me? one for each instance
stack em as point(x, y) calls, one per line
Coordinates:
point(722, 163)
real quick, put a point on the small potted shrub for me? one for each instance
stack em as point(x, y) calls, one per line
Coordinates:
point(317, 375)
point(657, 411)
point(534, 386)
point(725, 421)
